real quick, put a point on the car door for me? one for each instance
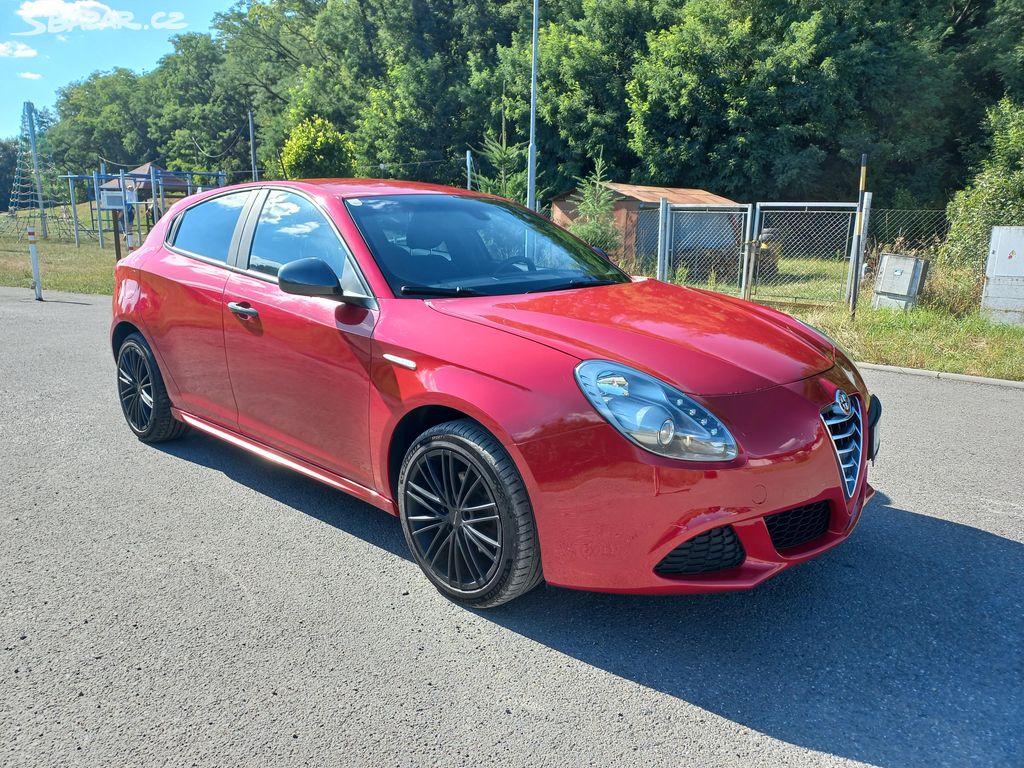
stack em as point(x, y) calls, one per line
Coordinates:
point(299, 365)
point(184, 306)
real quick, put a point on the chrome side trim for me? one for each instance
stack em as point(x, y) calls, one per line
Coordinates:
point(402, 361)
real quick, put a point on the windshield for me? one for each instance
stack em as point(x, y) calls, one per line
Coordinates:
point(451, 245)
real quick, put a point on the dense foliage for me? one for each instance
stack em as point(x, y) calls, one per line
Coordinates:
point(317, 150)
point(748, 98)
point(995, 196)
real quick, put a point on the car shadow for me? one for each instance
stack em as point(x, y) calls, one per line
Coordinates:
point(902, 647)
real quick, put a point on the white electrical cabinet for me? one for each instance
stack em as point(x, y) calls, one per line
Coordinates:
point(1003, 297)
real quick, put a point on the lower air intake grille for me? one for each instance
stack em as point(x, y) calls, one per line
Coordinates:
point(798, 526)
point(713, 550)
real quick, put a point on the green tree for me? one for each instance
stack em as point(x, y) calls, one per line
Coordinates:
point(200, 124)
point(508, 177)
point(316, 149)
point(773, 99)
point(995, 196)
point(595, 209)
point(106, 116)
point(8, 166)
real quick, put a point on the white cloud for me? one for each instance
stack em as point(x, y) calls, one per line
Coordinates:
point(62, 38)
point(16, 51)
point(30, 75)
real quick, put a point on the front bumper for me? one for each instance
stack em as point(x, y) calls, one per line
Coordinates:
point(608, 512)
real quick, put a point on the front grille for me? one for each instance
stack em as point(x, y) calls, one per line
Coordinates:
point(798, 526)
point(713, 550)
point(847, 434)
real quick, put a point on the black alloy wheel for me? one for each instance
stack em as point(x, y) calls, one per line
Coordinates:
point(135, 387)
point(453, 519)
point(141, 392)
point(467, 516)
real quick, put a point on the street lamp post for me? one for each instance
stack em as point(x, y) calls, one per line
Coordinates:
point(531, 171)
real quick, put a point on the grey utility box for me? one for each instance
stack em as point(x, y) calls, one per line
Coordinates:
point(899, 281)
point(1003, 298)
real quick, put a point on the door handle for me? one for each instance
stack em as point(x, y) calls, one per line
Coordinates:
point(242, 310)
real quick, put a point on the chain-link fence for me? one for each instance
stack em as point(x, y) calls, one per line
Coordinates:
point(802, 252)
point(918, 232)
point(706, 246)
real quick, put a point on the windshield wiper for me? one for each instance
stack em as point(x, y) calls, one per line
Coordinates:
point(437, 290)
point(575, 283)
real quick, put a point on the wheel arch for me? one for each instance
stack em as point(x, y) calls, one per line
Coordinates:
point(121, 331)
point(409, 427)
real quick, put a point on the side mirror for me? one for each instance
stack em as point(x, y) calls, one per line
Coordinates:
point(314, 277)
point(308, 277)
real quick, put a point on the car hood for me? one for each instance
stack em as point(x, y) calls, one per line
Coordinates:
point(701, 342)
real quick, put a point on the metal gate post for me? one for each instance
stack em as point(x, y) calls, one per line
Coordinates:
point(152, 194)
point(858, 259)
point(755, 231)
point(662, 269)
point(99, 210)
point(74, 208)
point(748, 236)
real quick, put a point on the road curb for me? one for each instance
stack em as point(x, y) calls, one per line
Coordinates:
point(1005, 383)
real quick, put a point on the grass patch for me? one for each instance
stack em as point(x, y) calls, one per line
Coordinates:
point(62, 266)
point(925, 338)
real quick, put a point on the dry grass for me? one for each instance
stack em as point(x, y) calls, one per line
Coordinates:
point(926, 338)
point(62, 266)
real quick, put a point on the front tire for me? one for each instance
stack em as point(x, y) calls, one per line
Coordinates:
point(140, 388)
point(467, 516)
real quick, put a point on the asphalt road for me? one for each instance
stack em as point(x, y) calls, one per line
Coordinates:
point(193, 605)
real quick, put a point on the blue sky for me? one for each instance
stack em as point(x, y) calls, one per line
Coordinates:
point(66, 40)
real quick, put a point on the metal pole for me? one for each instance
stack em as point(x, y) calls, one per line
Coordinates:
point(531, 169)
point(74, 208)
point(662, 269)
point(103, 175)
point(99, 209)
point(469, 169)
point(865, 223)
point(252, 148)
point(755, 230)
point(748, 237)
point(163, 198)
point(125, 225)
point(31, 119)
point(152, 194)
point(853, 278)
point(33, 255)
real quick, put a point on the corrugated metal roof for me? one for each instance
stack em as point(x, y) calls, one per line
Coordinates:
point(679, 195)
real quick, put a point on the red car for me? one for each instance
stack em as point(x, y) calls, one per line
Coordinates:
point(527, 410)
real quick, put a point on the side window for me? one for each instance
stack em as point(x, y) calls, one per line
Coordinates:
point(206, 229)
point(292, 228)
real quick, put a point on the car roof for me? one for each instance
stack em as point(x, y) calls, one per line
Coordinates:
point(363, 187)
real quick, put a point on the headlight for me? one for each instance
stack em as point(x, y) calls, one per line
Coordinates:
point(655, 416)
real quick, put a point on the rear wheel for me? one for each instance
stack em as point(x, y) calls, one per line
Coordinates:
point(140, 388)
point(467, 517)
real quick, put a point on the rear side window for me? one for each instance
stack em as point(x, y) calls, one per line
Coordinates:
point(206, 229)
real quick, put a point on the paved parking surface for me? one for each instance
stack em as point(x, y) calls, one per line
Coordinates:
point(193, 605)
